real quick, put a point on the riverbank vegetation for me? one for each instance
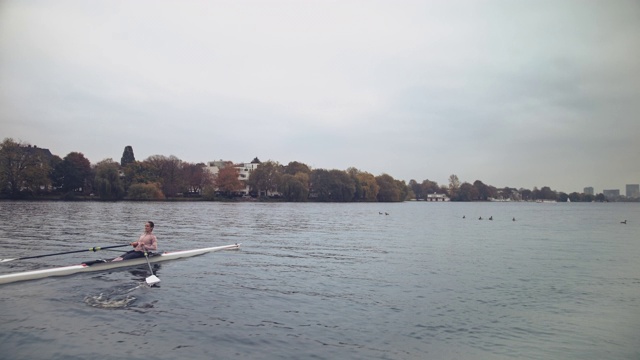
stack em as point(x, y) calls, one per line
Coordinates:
point(29, 172)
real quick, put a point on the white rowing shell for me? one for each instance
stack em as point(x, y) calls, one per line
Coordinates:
point(74, 269)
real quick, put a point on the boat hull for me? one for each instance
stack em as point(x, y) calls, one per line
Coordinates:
point(99, 266)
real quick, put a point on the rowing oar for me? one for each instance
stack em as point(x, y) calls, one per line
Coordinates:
point(93, 249)
point(151, 280)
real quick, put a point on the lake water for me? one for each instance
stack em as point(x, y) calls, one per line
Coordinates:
point(328, 281)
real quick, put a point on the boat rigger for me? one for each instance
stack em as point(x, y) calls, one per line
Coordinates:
point(99, 265)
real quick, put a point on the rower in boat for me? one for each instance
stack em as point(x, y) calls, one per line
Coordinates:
point(146, 242)
point(98, 265)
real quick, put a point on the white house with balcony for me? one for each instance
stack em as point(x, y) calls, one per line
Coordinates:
point(244, 170)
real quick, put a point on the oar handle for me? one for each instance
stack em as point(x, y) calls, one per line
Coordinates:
point(93, 249)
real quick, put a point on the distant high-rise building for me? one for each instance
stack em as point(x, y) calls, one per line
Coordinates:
point(611, 194)
point(588, 191)
point(633, 190)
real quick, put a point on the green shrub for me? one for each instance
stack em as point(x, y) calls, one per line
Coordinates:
point(145, 192)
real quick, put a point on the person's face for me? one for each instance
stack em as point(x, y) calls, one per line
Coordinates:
point(147, 227)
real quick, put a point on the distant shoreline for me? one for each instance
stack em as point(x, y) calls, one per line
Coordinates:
point(84, 198)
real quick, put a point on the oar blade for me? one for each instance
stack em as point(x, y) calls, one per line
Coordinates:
point(152, 280)
point(5, 260)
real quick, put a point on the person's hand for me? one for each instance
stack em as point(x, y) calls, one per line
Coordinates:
point(134, 244)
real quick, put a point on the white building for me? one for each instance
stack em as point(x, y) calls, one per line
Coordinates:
point(437, 197)
point(244, 170)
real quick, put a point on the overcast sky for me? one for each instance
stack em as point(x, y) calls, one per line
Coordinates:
point(512, 93)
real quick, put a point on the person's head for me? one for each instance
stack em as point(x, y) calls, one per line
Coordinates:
point(149, 225)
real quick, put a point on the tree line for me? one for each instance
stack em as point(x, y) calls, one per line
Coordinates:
point(30, 172)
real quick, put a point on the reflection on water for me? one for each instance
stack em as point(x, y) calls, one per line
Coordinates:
point(328, 281)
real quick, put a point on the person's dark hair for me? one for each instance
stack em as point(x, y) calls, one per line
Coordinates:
point(151, 223)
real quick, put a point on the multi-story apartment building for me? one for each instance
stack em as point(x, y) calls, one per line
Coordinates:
point(588, 191)
point(633, 191)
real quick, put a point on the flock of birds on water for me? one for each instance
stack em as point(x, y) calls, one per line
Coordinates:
point(490, 218)
point(480, 218)
point(514, 219)
point(464, 216)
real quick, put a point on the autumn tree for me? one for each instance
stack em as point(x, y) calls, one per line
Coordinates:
point(139, 172)
point(295, 187)
point(341, 186)
point(575, 197)
point(73, 173)
point(429, 187)
point(454, 185)
point(13, 166)
point(563, 197)
point(320, 181)
point(294, 182)
point(332, 185)
point(466, 192)
point(107, 184)
point(547, 194)
point(196, 177)
point(145, 191)
point(265, 178)
point(366, 187)
point(54, 164)
point(169, 172)
point(23, 168)
point(403, 188)
point(227, 180)
point(484, 191)
point(295, 167)
point(416, 188)
point(389, 191)
point(507, 193)
point(525, 194)
point(353, 174)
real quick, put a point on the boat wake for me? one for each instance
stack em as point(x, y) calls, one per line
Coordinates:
point(115, 300)
point(105, 302)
